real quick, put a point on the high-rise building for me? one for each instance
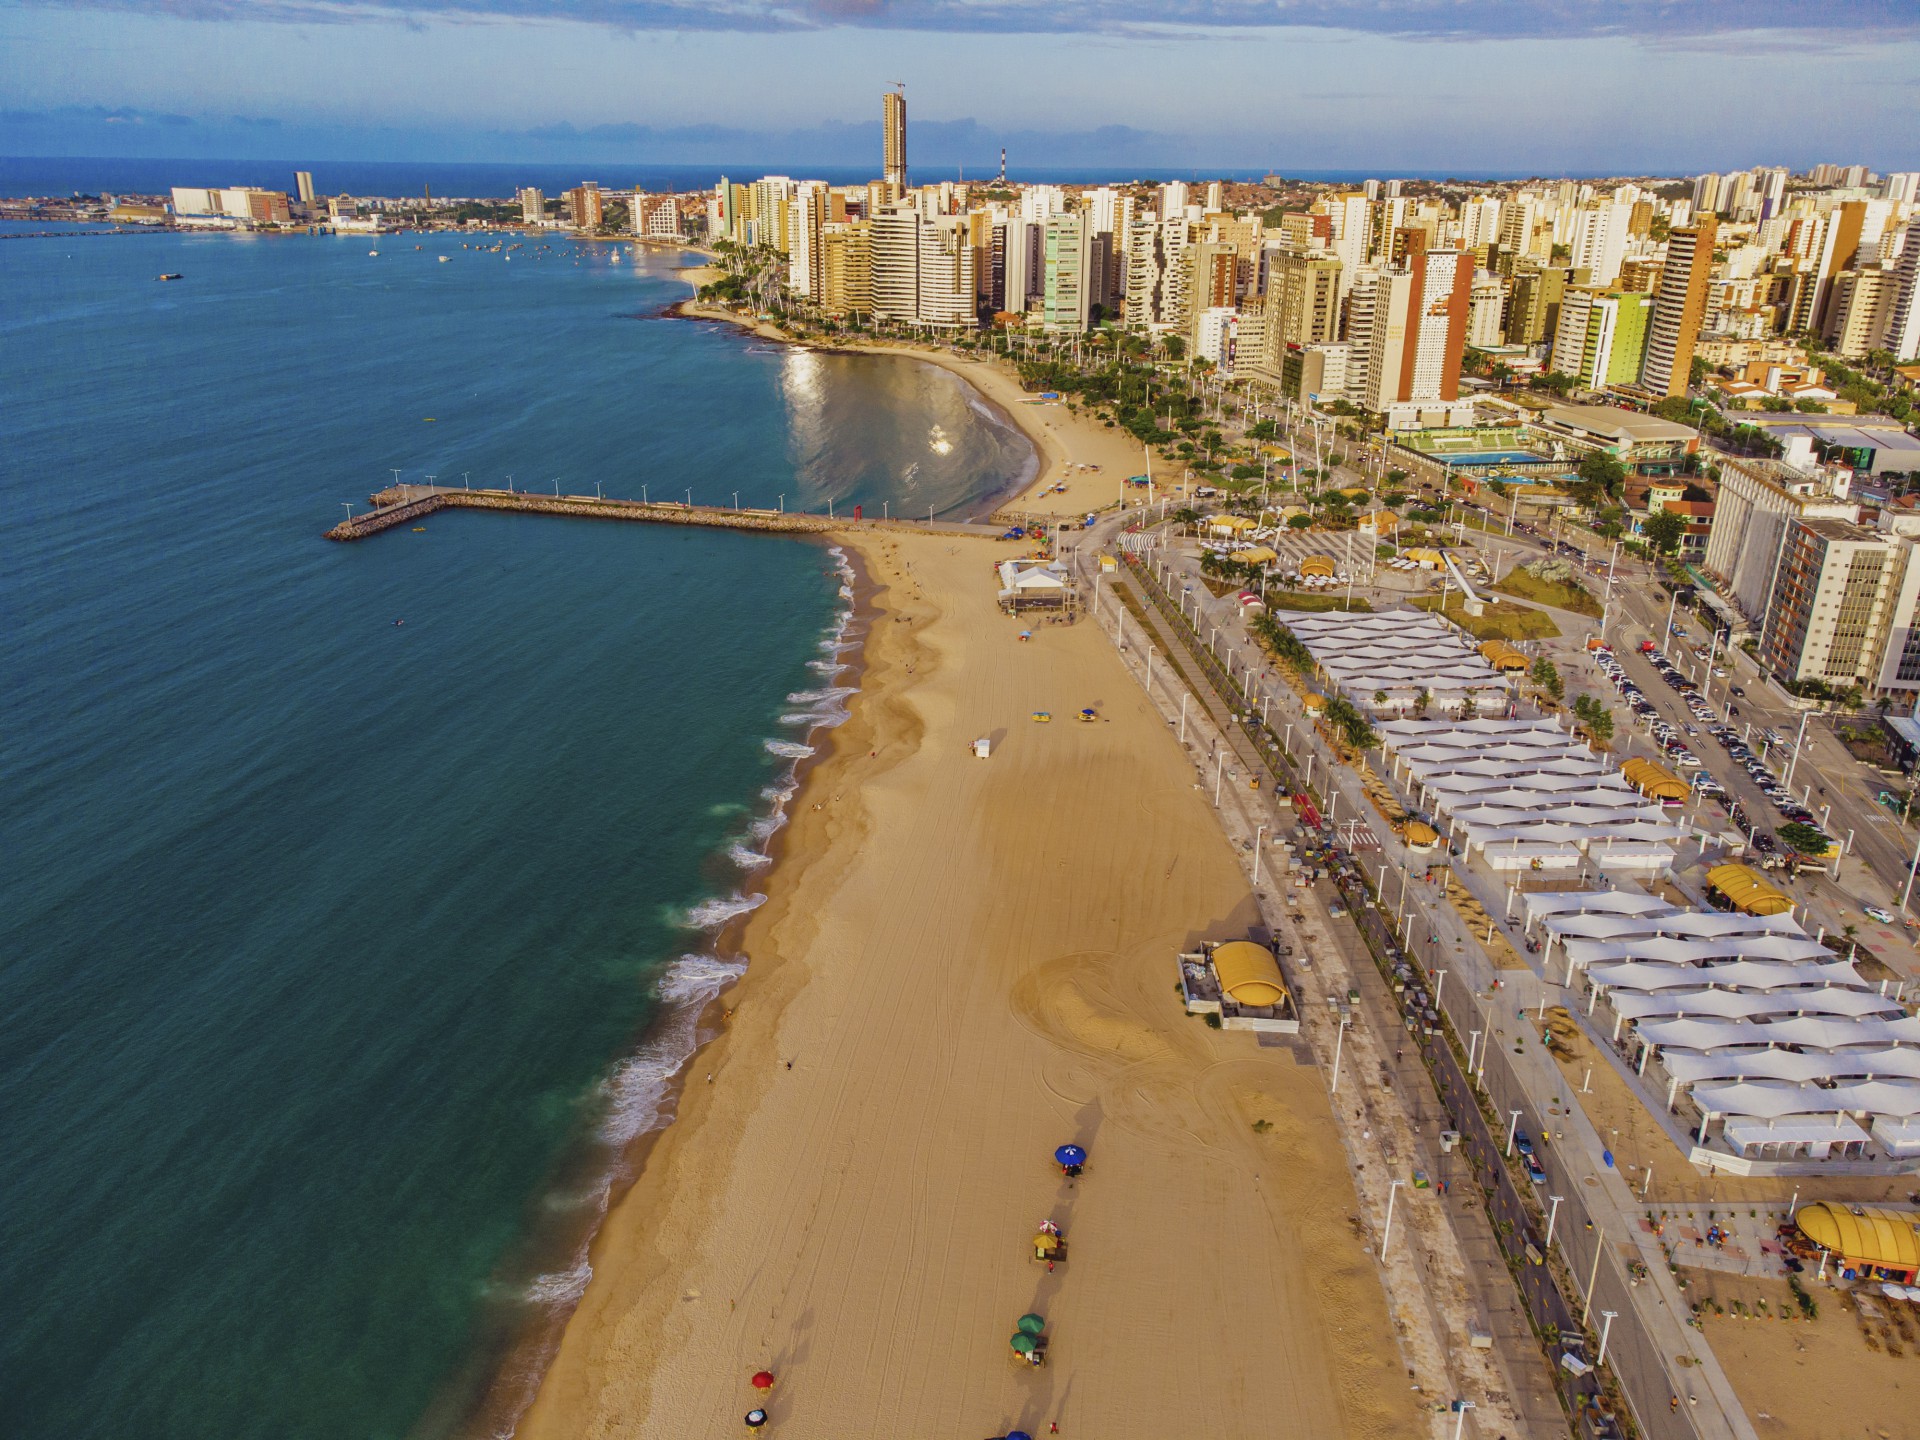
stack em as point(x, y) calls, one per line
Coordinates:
point(922, 269)
point(1214, 201)
point(1303, 299)
point(1678, 306)
point(1479, 223)
point(1902, 187)
point(1173, 200)
point(1754, 504)
point(1157, 274)
point(1599, 240)
point(1601, 338)
point(1486, 311)
point(1902, 332)
point(1859, 310)
point(584, 207)
point(1022, 264)
point(656, 217)
point(806, 217)
point(1533, 306)
point(1841, 595)
point(533, 206)
point(1419, 330)
point(1068, 279)
point(1838, 245)
point(846, 269)
point(894, 119)
point(303, 186)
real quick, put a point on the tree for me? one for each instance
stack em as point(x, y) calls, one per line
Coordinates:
point(1350, 724)
point(1546, 675)
point(1664, 530)
point(1596, 717)
point(1604, 473)
point(1804, 839)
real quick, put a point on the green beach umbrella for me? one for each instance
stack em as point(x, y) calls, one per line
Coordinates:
point(1031, 1324)
point(1024, 1343)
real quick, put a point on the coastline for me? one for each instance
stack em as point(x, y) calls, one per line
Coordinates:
point(927, 1011)
point(516, 1371)
point(1064, 442)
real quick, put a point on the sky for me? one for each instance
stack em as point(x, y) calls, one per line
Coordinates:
point(1585, 87)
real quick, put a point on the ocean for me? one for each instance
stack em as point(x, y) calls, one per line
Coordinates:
point(357, 900)
point(65, 175)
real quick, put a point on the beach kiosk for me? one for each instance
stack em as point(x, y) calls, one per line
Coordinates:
point(1866, 1242)
point(1744, 890)
point(983, 748)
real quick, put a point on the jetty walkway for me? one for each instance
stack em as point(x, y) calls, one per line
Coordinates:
point(409, 504)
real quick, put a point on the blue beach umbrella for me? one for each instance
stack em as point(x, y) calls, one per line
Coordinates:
point(1018, 1435)
point(1070, 1155)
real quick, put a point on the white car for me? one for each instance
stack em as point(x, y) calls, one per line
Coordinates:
point(1874, 912)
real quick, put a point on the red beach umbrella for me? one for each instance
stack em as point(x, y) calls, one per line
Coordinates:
point(763, 1380)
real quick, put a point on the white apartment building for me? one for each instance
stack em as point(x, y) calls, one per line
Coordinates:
point(1756, 502)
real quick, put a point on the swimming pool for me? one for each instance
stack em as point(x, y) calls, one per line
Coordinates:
point(1493, 457)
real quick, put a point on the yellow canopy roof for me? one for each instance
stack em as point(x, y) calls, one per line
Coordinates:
point(1421, 833)
point(1502, 656)
point(1421, 555)
point(1313, 704)
point(1656, 782)
point(1743, 886)
point(1317, 565)
point(1872, 1236)
point(1259, 555)
point(1249, 975)
point(1230, 522)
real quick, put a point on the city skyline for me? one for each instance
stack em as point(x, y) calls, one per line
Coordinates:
point(1485, 88)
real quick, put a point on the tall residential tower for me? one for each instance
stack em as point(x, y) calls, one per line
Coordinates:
point(895, 157)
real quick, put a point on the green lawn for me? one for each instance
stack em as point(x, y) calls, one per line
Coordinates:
point(1562, 596)
point(1315, 600)
point(1500, 622)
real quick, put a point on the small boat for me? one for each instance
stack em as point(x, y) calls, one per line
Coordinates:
point(170, 275)
point(419, 529)
point(373, 252)
point(444, 259)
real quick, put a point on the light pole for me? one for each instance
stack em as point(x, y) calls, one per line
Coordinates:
point(1593, 1276)
point(1386, 1234)
point(1183, 717)
point(1513, 1126)
point(1794, 759)
point(1439, 982)
point(1339, 1040)
point(1259, 835)
point(1553, 1215)
point(1219, 770)
point(348, 507)
point(1606, 1328)
point(1460, 1415)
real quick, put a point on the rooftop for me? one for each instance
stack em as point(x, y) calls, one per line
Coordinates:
point(1624, 426)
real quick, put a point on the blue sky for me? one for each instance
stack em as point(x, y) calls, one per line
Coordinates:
point(1578, 86)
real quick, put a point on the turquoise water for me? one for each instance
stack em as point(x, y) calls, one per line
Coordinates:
point(332, 949)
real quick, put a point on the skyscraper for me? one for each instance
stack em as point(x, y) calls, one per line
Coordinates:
point(533, 207)
point(1678, 306)
point(1902, 335)
point(1068, 281)
point(303, 182)
point(1601, 336)
point(894, 114)
point(1419, 328)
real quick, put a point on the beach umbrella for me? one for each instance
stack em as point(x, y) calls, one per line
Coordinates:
point(1070, 1155)
point(756, 1418)
point(1024, 1343)
point(763, 1380)
point(1032, 1324)
point(1018, 1435)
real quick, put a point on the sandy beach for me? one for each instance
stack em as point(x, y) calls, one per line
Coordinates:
point(967, 962)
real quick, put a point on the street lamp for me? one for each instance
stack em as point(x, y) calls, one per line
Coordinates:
point(1606, 1326)
point(1461, 1407)
point(1339, 1040)
point(1259, 835)
point(1386, 1234)
point(1513, 1125)
point(1553, 1215)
